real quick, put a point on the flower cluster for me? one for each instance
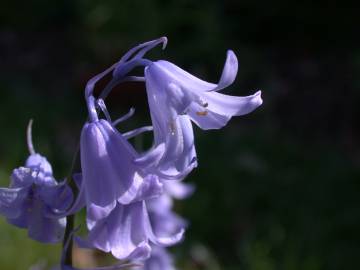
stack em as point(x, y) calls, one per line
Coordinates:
point(128, 195)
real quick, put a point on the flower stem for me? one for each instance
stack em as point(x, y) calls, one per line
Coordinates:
point(70, 220)
point(69, 228)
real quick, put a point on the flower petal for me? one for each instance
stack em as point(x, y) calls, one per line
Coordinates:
point(121, 233)
point(206, 119)
point(151, 157)
point(95, 212)
point(22, 177)
point(40, 164)
point(188, 80)
point(229, 71)
point(43, 229)
point(178, 75)
point(179, 190)
point(99, 176)
point(12, 201)
point(160, 259)
point(57, 197)
point(160, 240)
point(232, 105)
point(142, 188)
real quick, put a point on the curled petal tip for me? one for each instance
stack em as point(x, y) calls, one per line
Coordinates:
point(257, 98)
point(29, 137)
point(164, 41)
point(232, 56)
point(230, 52)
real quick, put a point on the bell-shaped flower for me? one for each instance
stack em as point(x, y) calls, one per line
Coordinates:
point(179, 158)
point(31, 198)
point(176, 97)
point(110, 174)
point(127, 233)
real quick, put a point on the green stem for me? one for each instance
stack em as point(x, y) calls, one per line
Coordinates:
point(70, 220)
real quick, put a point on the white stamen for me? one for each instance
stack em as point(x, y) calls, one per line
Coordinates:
point(124, 117)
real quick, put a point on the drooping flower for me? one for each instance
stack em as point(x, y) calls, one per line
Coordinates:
point(131, 231)
point(176, 97)
point(109, 174)
point(31, 198)
point(127, 233)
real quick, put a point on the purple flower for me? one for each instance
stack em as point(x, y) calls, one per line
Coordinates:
point(109, 172)
point(176, 97)
point(127, 232)
point(32, 195)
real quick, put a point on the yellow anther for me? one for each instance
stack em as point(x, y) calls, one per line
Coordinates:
point(204, 113)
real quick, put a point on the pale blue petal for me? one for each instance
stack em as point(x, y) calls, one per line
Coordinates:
point(162, 240)
point(231, 105)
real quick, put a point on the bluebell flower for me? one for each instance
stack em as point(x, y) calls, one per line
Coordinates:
point(33, 196)
point(109, 173)
point(127, 233)
point(176, 97)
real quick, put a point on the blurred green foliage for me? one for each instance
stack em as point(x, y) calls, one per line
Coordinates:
point(276, 189)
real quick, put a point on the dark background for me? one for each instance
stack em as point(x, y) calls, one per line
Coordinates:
point(276, 189)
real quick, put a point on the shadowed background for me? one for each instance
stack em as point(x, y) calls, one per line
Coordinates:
point(276, 189)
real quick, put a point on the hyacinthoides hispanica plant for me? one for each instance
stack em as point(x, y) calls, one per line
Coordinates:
point(128, 195)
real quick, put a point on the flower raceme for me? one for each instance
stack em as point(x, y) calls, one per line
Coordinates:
point(128, 194)
point(118, 183)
